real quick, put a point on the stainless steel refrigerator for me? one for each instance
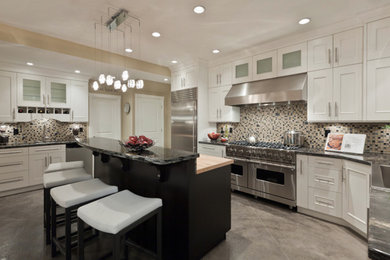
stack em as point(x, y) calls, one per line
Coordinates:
point(184, 119)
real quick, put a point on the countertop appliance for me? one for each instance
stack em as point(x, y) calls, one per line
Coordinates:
point(264, 169)
point(184, 119)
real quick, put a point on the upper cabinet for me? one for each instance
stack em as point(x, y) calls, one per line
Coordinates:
point(292, 59)
point(348, 47)
point(378, 39)
point(220, 75)
point(319, 54)
point(7, 102)
point(184, 79)
point(242, 70)
point(265, 65)
point(79, 101)
point(57, 93)
point(31, 90)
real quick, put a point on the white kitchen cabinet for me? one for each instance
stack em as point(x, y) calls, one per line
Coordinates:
point(13, 168)
point(319, 53)
point(242, 70)
point(7, 97)
point(218, 112)
point(211, 149)
point(184, 79)
point(79, 101)
point(320, 95)
point(378, 90)
point(292, 59)
point(356, 179)
point(175, 81)
point(378, 39)
point(326, 202)
point(302, 181)
point(58, 93)
point(214, 104)
point(265, 65)
point(348, 47)
point(220, 75)
point(31, 90)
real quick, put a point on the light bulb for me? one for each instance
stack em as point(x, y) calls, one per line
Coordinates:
point(131, 83)
point(102, 78)
point(139, 84)
point(124, 88)
point(125, 75)
point(117, 84)
point(109, 80)
point(95, 85)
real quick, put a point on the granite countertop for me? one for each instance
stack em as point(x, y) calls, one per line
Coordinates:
point(34, 143)
point(155, 155)
point(213, 142)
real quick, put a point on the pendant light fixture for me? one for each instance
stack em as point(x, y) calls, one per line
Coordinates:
point(95, 85)
point(131, 83)
point(117, 84)
point(139, 84)
point(125, 75)
point(124, 88)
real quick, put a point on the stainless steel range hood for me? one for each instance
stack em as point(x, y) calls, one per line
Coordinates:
point(283, 89)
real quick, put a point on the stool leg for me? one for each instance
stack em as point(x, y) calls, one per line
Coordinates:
point(68, 235)
point(159, 235)
point(53, 228)
point(46, 210)
point(117, 247)
point(80, 230)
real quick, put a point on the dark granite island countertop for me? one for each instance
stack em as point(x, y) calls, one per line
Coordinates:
point(155, 155)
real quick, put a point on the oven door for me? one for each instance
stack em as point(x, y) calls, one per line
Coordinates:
point(277, 180)
point(239, 173)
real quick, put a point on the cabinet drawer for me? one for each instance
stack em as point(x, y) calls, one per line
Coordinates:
point(13, 164)
point(326, 163)
point(13, 152)
point(326, 202)
point(13, 180)
point(47, 148)
point(213, 150)
point(325, 179)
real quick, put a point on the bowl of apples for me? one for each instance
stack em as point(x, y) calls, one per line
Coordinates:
point(137, 143)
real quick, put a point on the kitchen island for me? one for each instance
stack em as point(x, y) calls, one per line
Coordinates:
point(196, 202)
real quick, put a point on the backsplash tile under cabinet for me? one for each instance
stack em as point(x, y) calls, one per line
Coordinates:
point(268, 123)
point(30, 132)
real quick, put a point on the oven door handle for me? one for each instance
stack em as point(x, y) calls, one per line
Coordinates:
point(291, 167)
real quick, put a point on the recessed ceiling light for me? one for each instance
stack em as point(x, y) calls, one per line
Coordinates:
point(216, 51)
point(30, 64)
point(128, 50)
point(156, 34)
point(304, 21)
point(77, 71)
point(199, 9)
point(165, 79)
point(174, 61)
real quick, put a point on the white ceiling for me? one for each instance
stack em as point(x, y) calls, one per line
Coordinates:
point(228, 25)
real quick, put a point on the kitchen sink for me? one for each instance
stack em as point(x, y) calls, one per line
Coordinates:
point(385, 169)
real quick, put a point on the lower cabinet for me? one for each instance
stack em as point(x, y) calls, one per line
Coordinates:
point(334, 187)
point(13, 168)
point(212, 149)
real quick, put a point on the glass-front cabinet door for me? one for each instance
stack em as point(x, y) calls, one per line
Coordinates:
point(265, 65)
point(292, 59)
point(57, 93)
point(31, 90)
point(242, 70)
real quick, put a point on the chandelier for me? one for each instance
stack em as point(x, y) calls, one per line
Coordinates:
point(116, 32)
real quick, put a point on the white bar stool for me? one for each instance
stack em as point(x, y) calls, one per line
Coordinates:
point(62, 166)
point(117, 215)
point(70, 197)
point(55, 179)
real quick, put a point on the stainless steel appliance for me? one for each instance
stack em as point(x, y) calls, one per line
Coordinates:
point(293, 138)
point(184, 119)
point(264, 169)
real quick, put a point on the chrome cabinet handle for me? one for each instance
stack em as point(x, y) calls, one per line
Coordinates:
point(336, 55)
point(13, 152)
point(13, 114)
point(11, 164)
point(46, 149)
point(44, 99)
point(45, 161)
point(326, 163)
point(343, 175)
point(335, 109)
point(330, 109)
point(50, 159)
point(330, 56)
point(301, 163)
point(12, 180)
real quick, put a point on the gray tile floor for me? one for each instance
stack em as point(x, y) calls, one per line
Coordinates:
point(260, 230)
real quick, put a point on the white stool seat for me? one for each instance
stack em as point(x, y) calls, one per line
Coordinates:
point(61, 166)
point(54, 179)
point(81, 192)
point(115, 212)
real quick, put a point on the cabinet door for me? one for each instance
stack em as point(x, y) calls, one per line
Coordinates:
point(227, 113)
point(378, 90)
point(292, 59)
point(225, 74)
point(56, 157)
point(319, 53)
point(356, 194)
point(58, 93)
point(176, 82)
point(302, 181)
point(264, 65)
point(320, 93)
point(79, 101)
point(190, 78)
point(7, 97)
point(347, 92)
point(242, 70)
point(37, 164)
point(348, 47)
point(214, 104)
point(31, 90)
point(213, 77)
point(378, 39)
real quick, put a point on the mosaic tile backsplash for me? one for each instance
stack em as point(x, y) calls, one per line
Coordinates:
point(268, 123)
point(37, 130)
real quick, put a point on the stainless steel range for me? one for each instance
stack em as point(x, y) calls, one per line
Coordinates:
point(264, 169)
